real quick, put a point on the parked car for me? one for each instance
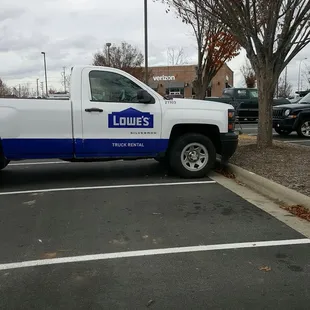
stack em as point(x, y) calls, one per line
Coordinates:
point(293, 117)
point(111, 115)
point(245, 101)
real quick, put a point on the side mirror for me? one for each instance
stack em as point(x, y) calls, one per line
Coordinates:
point(144, 97)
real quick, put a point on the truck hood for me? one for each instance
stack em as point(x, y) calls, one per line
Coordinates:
point(293, 106)
point(195, 104)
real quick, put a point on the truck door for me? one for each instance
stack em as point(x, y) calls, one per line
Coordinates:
point(253, 100)
point(244, 105)
point(114, 123)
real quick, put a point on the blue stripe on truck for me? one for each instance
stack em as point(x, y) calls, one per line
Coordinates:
point(65, 148)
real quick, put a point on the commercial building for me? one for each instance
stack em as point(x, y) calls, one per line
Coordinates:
point(178, 80)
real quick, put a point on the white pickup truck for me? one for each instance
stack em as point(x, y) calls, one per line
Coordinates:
point(111, 115)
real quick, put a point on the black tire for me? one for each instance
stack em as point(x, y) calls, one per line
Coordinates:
point(300, 129)
point(176, 151)
point(163, 160)
point(283, 132)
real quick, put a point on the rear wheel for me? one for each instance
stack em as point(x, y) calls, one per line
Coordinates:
point(282, 132)
point(303, 129)
point(192, 156)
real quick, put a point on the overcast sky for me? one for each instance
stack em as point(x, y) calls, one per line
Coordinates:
point(71, 31)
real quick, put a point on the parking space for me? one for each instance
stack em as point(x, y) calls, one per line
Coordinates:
point(251, 129)
point(59, 174)
point(128, 235)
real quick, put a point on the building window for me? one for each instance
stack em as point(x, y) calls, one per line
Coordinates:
point(175, 91)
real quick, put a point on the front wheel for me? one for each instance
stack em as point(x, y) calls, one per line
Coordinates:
point(192, 156)
point(282, 132)
point(303, 129)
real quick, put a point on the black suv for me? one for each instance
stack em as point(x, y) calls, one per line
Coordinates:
point(293, 117)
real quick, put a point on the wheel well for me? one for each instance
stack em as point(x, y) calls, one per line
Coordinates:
point(302, 117)
point(1, 149)
point(210, 131)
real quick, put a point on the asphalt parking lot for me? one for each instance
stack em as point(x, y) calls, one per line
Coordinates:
point(127, 235)
point(251, 129)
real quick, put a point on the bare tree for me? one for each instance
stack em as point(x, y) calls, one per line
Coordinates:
point(305, 76)
point(176, 57)
point(52, 90)
point(248, 75)
point(284, 88)
point(215, 45)
point(4, 89)
point(24, 91)
point(272, 33)
point(125, 57)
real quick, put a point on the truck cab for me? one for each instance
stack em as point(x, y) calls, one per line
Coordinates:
point(111, 115)
point(245, 101)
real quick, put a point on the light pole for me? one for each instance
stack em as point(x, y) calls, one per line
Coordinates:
point(37, 88)
point(299, 72)
point(108, 50)
point(45, 72)
point(146, 44)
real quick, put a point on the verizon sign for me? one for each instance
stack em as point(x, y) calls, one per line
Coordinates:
point(164, 78)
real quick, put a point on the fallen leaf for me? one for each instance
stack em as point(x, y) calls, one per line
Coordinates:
point(265, 268)
point(49, 255)
point(299, 211)
point(225, 172)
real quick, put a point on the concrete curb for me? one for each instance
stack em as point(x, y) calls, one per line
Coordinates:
point(269, 188)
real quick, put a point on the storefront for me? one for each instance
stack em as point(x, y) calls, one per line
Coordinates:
point(178, 80)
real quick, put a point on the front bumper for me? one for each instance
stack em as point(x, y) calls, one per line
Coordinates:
point(229, 143)
point(285, 123)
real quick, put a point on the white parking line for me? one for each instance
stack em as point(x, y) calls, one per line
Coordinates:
point(190, 249)
point(40, 163)
point(70, 189)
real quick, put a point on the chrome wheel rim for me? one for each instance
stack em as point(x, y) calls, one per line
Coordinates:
point(305, 129)
point(194, 156)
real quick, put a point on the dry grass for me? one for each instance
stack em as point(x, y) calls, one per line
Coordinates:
point(244, 137)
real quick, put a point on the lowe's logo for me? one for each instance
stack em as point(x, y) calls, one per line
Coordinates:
point(130, 118)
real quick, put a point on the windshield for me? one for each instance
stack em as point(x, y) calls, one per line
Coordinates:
point(305, 99)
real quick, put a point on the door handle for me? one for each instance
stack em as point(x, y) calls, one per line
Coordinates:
point(94, 110)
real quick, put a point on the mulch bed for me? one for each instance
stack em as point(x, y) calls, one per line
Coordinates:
point(284, 163)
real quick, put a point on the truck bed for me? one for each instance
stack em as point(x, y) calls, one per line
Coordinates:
point(30, 128)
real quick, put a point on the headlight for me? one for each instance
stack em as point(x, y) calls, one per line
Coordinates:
point(287, 112)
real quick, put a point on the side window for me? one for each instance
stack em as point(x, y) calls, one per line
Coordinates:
point(112, 87)
point(253, 93)
point(242, 94)
point(227, 93)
